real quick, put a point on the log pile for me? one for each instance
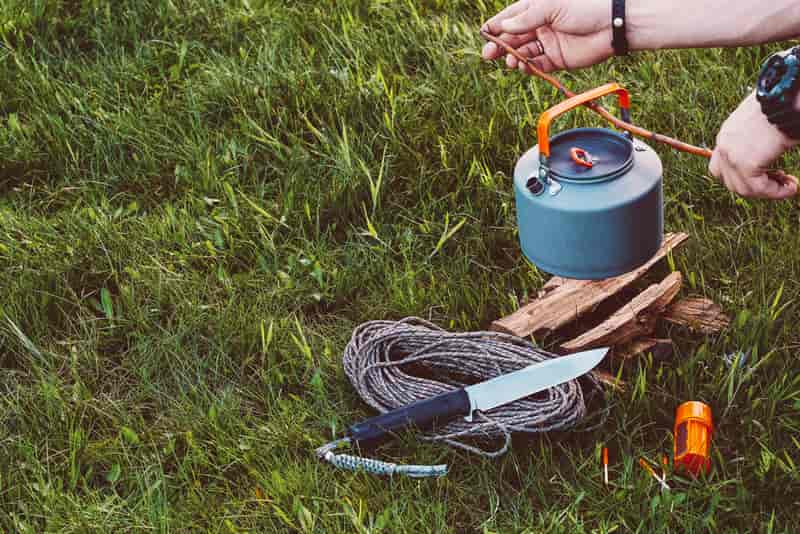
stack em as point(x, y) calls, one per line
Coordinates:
point(628, 327)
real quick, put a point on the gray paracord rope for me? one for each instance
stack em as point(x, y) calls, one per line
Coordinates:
point(377, 362)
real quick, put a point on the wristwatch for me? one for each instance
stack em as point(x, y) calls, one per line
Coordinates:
point(778, 85)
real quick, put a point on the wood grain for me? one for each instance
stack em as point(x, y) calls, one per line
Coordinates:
point(636, 319)
point(698, 315)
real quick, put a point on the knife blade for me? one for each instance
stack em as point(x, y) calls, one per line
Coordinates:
point(483, 396)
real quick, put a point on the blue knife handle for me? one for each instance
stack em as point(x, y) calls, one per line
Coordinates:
point(421, 415)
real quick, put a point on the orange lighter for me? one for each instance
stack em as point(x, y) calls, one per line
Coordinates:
point(693, 427)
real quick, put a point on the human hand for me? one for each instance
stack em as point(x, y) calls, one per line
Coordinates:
point(577, 33)
point(747, 145)
point(555, 34)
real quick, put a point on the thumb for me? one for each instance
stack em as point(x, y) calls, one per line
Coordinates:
point(527, 21)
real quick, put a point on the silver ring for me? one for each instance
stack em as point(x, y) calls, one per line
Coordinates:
point(540, 46)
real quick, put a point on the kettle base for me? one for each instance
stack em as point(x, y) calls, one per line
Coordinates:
point(594, 273)
point(593, 276)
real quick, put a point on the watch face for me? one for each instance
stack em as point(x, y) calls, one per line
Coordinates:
point(777, 78)
point(773, 74)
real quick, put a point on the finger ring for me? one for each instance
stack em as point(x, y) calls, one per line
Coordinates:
point(540, 46)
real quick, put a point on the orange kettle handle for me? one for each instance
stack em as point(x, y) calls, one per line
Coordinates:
point(551, 114)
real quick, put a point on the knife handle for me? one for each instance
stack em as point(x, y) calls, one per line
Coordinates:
point(421, 414)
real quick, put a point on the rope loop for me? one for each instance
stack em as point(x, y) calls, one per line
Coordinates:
point(395, 363)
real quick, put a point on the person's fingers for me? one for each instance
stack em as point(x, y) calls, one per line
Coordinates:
point(731, 176)
point(715, 166)
point(783, 185)
point(738, 183)
point(772, 188)
point(492, 25)
point(551, 47)
point(532, 49)
point(543, 63)
point(762, 187)
point(787, 180)
point(553, 58)
point(533, 52)
point(525, 22)
point(492, 51)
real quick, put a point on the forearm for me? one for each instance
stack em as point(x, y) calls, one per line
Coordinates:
point(657, 24)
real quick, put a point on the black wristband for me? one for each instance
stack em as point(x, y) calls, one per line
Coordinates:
point(618, 23)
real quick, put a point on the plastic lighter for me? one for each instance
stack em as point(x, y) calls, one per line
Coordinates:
point(693, 428)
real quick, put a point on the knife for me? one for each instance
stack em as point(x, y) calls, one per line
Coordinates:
point(483, 396)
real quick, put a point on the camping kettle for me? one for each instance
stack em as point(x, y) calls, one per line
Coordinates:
point(589, 200)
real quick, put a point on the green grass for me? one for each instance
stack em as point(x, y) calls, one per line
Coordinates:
point(199, 200)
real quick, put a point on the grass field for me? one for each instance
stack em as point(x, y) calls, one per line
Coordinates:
point(199, 200)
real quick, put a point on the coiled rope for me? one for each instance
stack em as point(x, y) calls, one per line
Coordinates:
point(393, 364)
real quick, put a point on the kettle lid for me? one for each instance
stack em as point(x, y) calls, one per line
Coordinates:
point(590, 154)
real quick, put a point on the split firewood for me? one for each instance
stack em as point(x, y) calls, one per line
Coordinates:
point(573, 298)
point(660, 348)
point(635, 319)
point(554, 283)
point(699, 315)
point(551, 285)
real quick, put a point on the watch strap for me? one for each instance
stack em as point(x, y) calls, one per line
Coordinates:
point(618, 28)
point(791, 129)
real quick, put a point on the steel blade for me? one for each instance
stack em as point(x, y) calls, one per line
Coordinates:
point(532, 379)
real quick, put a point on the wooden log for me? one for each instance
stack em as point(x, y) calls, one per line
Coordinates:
point(635, 319)
point(573, 298)
point(551, 285)
point(698, 315)
point(661, 348)
point(554, 283)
